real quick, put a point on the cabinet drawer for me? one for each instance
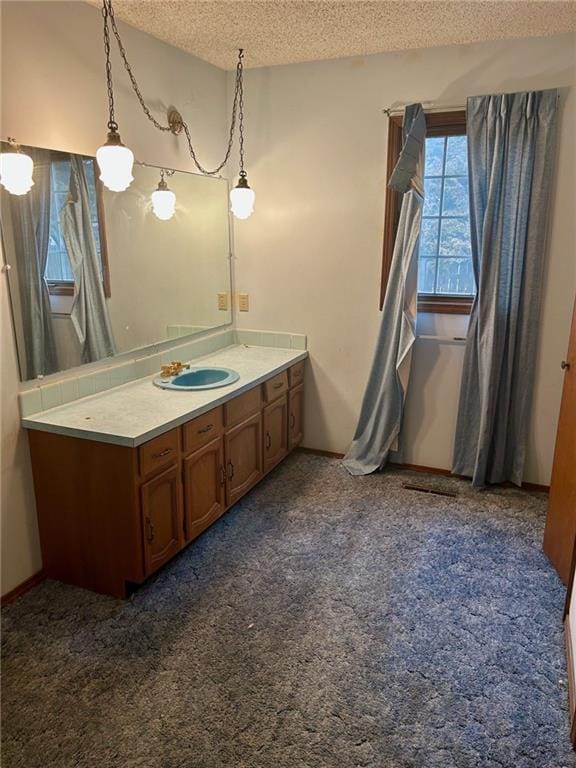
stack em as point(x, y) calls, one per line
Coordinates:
point(296, 374)
point(242, 407)
point(202, 430)
point(276, 386)
point(158, 453)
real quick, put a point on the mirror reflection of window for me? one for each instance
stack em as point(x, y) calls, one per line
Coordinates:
point(58, 273)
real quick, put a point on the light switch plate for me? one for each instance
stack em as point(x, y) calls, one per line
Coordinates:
point(243, 302)
point(222, 301)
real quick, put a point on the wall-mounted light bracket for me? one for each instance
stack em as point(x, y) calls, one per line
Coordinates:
point(175, 121)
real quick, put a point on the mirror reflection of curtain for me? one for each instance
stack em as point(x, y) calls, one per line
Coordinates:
point(89, 312)
point(31, 227)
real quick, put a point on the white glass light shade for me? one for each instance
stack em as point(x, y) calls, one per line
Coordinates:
point(164, 203)
point(16, 172)
point(242, 201)
point(115, 162)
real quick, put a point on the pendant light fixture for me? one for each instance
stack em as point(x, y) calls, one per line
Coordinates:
point(163, 200)
point(241, 197)
point(16, 169)
point(114, 159)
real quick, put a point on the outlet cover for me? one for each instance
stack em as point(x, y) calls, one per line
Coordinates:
point(222, 301)
point(243, 302)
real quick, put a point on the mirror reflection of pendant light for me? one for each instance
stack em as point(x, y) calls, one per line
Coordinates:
point(16, 169)
point(163, 200)
point(114, 159)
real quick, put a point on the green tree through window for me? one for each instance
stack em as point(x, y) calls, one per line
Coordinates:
point(445, 263)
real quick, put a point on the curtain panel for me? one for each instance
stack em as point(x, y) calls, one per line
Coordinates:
point(89, 312)
point(31, 231)
point(378, 429)
point(511, 154)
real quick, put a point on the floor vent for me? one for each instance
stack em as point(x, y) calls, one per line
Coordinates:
point(424, 489)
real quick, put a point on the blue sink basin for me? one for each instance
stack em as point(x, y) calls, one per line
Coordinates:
point(199, 378)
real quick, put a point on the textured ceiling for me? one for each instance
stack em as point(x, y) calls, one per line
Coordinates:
point(288, 31)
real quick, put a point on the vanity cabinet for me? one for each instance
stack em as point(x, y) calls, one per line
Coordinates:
point(295, 416)
point(204, 488)
point(243, 453)
point(111, 515)
point(275, 433)
point(162, 519)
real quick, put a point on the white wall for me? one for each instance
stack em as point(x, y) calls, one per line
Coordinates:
point(54, 95)
point(310, 256)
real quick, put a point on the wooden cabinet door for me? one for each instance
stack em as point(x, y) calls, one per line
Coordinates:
point(243, 454)
point(295, 416)
point(204, 482)
point(560, 531)
point(162, 519)
point(275, 433)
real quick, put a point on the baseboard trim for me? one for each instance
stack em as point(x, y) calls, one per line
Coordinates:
point(318, 452)
point(535, 487)
point(21, 589)
point(422, 468)
point(428, 470)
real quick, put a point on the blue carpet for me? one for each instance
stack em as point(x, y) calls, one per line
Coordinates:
point(326, 621)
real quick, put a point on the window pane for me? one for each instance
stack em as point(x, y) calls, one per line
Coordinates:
point(60, 172)
point(456, 156)
point(455, 238)
point(429, 237)
point(426, 275)
point(432, 191)
point(455, 276)
point(434, 156)
point(445, 265)
point(455, 200)
point(58, 264)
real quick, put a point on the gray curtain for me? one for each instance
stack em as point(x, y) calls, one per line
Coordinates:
point(380, 419)
point(511, 148)
point(89, 312)
point(31, 224)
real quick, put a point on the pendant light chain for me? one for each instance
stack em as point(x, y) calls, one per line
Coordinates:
point(237, 105)
point(240, 91)
point(112, 124)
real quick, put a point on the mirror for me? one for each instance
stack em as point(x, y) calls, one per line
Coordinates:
point(95, 273)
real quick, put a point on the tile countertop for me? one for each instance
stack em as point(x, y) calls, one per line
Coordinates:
point(134, 413)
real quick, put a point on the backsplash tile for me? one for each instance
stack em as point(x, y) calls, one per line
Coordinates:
point(30, 402)
point(51, 396)
point(85, 386)
point(69, 389)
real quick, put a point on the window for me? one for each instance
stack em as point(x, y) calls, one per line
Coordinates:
point(445, 277)
point(58, 273)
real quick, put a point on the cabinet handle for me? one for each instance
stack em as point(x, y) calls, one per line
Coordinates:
point(165, 452)
point(230, 470)
point(206, 429)
point(278, 385)
point(222, 475)
point(292, 421)
point(268, 441)
point(150, 531)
